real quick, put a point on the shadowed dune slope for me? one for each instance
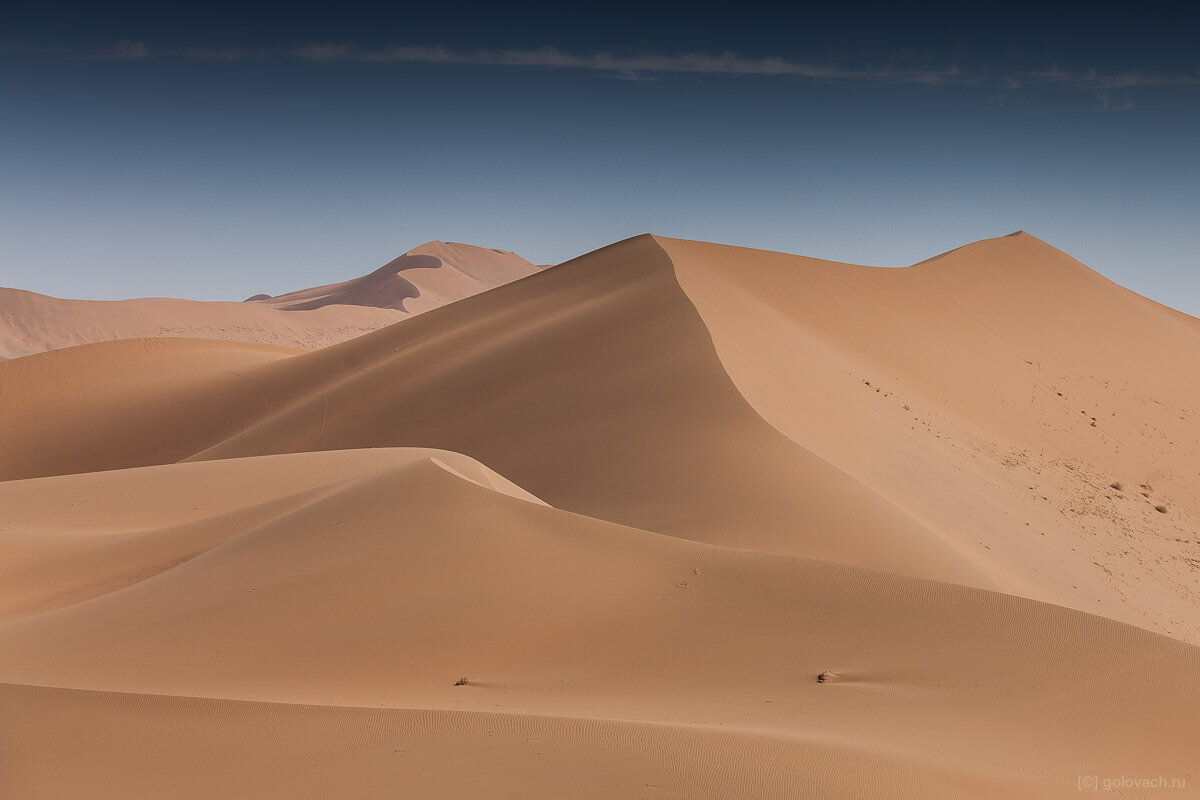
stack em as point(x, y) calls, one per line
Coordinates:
point(127, 402)
point(593, 385)
point(313, 629)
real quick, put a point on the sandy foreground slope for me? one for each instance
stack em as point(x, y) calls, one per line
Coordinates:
point(639, 501)
point(295, 625)
point(426, 277)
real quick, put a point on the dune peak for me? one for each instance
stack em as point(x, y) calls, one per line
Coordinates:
point(673, 518)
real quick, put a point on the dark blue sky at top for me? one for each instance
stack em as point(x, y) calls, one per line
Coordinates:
point(199, 150)
point(1135, 35)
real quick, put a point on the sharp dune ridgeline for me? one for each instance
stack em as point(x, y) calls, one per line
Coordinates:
point(671, 519)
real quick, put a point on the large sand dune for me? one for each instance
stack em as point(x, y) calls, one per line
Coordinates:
point(638, 502)
point(426, 277)
point(1003, 391)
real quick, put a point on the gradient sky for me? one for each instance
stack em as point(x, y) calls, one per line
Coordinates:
point(206, 151)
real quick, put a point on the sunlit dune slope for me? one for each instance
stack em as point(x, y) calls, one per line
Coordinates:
point(1008, 335)
point(299, 623)
point(1002, 393)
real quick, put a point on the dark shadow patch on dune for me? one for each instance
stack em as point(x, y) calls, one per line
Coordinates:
point(383, 288)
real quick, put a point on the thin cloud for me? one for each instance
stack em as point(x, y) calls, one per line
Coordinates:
point(634, 66)
point(127, 50)
point(1093, 81)
point(644, 66)
point(223, 54)
point(1107, 103)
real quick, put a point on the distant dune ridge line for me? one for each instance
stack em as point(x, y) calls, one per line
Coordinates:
point(671, 519)
point(425, 277)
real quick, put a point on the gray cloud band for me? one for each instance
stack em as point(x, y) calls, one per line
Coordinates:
point(645, 65)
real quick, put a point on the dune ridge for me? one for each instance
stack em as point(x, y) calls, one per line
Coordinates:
point(1002, 388)
point(671, 519)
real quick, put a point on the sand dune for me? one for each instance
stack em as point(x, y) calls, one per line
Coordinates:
point(639, 502)
point(603, 396)
point(34, 323)
point(1001, 391)
point(148, 744)
point(580, 632)
point(426, 277)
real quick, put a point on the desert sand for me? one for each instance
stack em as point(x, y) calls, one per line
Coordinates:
point(672, 519)
point(425, 277)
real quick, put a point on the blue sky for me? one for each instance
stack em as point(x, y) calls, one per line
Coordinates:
point(212, 152)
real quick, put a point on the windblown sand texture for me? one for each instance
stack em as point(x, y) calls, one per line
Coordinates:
point(598, 532)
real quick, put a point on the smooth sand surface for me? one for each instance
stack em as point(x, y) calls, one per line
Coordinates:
point(426, 277)
point(34, 323)
point(321, 622)
point(669, 520)
point(1000, 393)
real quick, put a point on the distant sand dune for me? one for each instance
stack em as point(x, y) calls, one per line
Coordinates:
point(426, 277)
point(34, 323)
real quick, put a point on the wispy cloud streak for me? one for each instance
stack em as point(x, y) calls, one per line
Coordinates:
point(726, 63)
point(646, 65)
point(1093, 81)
